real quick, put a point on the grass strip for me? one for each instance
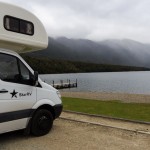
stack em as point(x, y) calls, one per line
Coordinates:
point(133, 111)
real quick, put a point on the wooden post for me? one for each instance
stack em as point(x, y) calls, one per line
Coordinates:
point(69, 83)
point(53, 83)
point(61, 81)
point(76, 83)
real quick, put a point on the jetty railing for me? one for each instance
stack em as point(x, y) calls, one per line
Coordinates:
point(63, 84)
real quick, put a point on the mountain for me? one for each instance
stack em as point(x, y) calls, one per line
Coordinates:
point(117, 52)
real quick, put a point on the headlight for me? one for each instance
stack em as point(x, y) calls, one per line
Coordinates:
point(59, 95)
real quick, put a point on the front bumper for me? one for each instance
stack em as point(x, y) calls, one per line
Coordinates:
point(57, 110)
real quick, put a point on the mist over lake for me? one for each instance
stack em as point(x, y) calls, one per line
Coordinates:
point(118, 82)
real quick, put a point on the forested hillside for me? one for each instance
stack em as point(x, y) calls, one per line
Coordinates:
point(48, 66)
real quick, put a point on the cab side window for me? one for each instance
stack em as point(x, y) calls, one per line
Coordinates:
point(13, 70)
point(8, 68)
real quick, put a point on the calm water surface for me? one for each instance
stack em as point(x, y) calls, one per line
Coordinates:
point(124, 82)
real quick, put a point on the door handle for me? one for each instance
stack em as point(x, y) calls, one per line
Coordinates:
point(3, 91)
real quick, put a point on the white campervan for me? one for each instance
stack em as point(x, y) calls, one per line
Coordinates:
point(25, 101)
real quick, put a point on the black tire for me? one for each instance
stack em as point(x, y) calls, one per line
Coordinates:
point(42, 122)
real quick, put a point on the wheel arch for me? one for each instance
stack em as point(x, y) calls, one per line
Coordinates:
point(42, 104)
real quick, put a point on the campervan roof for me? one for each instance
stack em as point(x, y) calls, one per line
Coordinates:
point(20, 30)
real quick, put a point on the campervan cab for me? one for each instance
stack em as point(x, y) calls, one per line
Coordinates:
point(26, 102)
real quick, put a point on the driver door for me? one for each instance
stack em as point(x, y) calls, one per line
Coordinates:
point(17, 94)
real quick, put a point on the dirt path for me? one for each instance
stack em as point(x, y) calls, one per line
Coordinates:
point(127, 98)
point(67, 135)
point(109, 122)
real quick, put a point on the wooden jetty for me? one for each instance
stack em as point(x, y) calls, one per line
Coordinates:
point(64, 85)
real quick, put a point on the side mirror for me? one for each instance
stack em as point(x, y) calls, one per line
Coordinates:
point(35, 78)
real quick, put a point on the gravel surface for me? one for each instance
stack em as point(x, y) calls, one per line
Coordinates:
point(109, 122)
point(67, 135)
point(127, 98)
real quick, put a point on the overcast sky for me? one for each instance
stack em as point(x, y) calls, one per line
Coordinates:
point(93, 19)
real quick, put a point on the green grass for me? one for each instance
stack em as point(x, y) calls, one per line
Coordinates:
point(133, 111)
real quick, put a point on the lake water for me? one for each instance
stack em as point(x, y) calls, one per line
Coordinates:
point(123, 82)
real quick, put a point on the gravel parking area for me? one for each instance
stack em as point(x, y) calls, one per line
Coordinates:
point(124, 97)
point(68, 135)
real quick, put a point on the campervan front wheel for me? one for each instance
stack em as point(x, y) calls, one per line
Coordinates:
point(42, 122)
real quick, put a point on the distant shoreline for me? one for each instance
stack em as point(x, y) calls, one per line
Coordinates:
point(123, 97)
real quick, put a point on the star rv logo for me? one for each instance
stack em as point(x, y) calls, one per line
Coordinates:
point(15, 94)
